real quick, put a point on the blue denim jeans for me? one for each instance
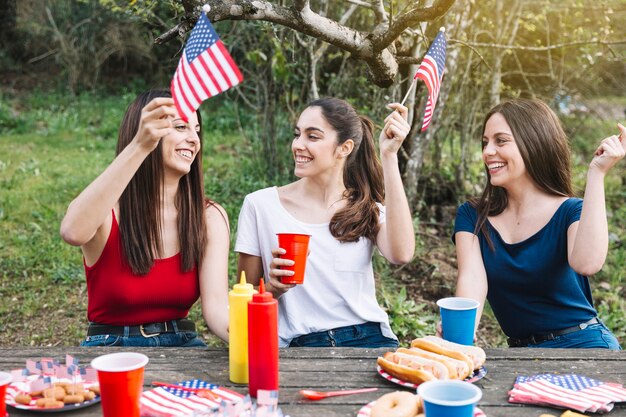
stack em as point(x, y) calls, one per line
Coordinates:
point(366, 335)
point(594, 336)
point(176, 339)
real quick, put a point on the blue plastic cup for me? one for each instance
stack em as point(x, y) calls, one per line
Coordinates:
point(449, 398)
point(458, 319)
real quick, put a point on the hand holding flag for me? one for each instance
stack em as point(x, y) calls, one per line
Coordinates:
point(431, 72)
point(205, 69)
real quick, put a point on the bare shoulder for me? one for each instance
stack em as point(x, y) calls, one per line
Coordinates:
point(215, 211)
point(216, 217)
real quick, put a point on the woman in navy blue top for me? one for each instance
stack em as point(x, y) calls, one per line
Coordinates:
point(526, 244)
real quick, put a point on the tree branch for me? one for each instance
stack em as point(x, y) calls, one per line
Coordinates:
point(301, 20)
point(178, 30)
point(410, 19)
point(360, 3)
point(379, 11)
point(407, 60)
point(473, 50)
point(544, 48)
point(299, 17)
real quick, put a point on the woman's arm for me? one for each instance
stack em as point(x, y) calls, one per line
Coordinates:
point(472, 277)
point(213, 273)
point(253, 266)
point(91, 209)
point(588, 239)
point(396, 237)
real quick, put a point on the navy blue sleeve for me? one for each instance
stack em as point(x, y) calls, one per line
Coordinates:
point(465, 221)
point(573, 209)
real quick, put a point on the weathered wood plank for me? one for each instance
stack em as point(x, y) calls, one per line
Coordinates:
point(331, 369)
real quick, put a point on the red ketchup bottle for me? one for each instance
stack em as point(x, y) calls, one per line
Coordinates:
point(262, 341)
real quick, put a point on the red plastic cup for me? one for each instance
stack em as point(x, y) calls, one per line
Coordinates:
point(121, 382)
point(5, 380)
point(297, 247)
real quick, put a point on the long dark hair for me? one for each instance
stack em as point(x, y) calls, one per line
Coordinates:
point(362, 173)
point(545, 151)
point(140, 203)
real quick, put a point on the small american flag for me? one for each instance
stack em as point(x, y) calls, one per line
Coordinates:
point(170, 402)
point(205, 69)
point(70, 360)
point(571, 391)
point(267, 397)
point(89, 374)
point(19, 375)
point(431, 72)
point(47, 366)
point(40, 383)
point(34, 367)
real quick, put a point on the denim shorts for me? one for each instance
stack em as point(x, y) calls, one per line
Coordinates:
point(174, 339)
point(593, 336)
point(366, 335)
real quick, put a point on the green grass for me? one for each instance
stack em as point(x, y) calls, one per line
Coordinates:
point(47, 159)
point(39, 270)
point(53, 145)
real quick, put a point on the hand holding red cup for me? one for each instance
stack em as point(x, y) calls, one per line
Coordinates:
point(296, 248)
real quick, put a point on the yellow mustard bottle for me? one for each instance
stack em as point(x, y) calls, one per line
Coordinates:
point(238, 299)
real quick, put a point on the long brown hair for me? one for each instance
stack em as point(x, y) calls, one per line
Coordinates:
point(545, 151)
point(362, 172)
point(140, 203)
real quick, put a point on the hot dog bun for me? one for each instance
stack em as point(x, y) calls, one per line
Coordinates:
point(412, 368)
point(457, 369)
point(473, 355)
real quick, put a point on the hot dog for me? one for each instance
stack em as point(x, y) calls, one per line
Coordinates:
point(412, 368)
point(473, 355)
point(457, 369)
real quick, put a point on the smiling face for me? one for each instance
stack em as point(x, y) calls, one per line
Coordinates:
point(501, 154)
point(314, 144)
point(181, 145)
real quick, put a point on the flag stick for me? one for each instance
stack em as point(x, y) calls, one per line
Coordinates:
point(408, 91)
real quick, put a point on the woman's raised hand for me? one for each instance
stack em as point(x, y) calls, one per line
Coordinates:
point(610, 151)
point(274, 285)
point(395, 130)
point(155, 122)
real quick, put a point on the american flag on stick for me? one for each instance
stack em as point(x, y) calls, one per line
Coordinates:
point(205, 69)
point(431, 72)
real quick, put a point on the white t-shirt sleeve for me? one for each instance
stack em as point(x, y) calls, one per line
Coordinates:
point(247, 230)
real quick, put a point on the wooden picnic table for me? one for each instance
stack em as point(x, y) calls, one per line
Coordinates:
point(342, 368)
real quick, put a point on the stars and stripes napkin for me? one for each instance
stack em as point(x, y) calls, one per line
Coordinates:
point(571, 391)
point(170, 402)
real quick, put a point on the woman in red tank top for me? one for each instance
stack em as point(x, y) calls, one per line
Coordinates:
point(152, 244)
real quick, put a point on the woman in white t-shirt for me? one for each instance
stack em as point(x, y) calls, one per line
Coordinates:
point(349, 201)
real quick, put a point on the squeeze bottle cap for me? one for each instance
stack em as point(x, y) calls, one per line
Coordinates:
point(243, 287)
point(262, 296)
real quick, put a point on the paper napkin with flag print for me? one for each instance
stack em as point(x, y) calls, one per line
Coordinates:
point(170, 402)
point(205, 69)
point(431, 71)
point(571, 391)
